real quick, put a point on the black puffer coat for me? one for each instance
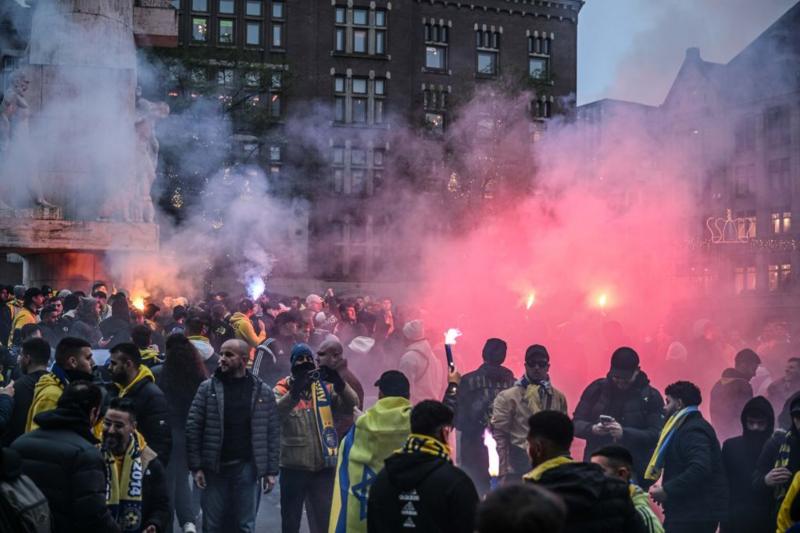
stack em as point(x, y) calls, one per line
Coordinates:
point(639, 410)
point(694, 477)
point(61, 458)
point(204, 429)
point(152, 415)
point(596, 503)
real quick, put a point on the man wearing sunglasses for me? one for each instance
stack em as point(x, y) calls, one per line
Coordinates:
point(512, 408)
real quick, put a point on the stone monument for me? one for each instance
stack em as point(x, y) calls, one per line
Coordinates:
point(75, 134)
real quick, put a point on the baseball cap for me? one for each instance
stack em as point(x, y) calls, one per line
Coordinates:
point(394, 383)
point(624, 362)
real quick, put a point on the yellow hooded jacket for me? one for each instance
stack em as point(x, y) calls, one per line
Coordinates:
point(244, 330)
point(379, 432)
point(23, 317)
point(45, 397)
point(144, 373)
point(784, 514)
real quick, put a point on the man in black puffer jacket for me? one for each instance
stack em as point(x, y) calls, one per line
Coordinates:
point(474, 398)
point(693, 490)
point(596, 503)
point(135, 381)
point(62, 459)
point(233, 440)
point(635, 411)
point(419, 489)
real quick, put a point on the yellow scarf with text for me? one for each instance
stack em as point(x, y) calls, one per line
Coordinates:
point(124, 480)
point(426, 444)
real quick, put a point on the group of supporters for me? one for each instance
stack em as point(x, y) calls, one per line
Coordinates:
point(151, 421)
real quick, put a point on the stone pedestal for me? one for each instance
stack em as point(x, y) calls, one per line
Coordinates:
point(70, 254)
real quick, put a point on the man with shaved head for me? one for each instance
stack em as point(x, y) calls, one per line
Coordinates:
point(233, 441)
point(331, 354)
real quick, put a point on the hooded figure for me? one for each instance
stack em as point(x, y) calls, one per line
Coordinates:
point(779, 460)
point(423, 370)
point(750, 510)
point(474, 398)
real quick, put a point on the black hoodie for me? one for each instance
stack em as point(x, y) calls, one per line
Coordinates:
point(728, 398)
point(421, 492)
point(750, 510)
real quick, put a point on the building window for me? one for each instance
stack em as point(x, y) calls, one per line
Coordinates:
point(225, 31)
point(781, 222)
point(487, 44)
point(275, 153)
point(747, 224)
point(743, 180)
point(355, 169)
point(199, 5)
point(779, 176)
point(539, 50)
point(744, 279)
point(226, 6)
point(360, 31)
point(253, 8)
point(359, 100)
point(437, 37)
point(776, 126)
point(225, 77)
point(434, 122)
point(745, 136)
point(278, 10)
point(199, 29)
point(277, 35)
point(779, 276)
point(253, 37)
point(543, 107)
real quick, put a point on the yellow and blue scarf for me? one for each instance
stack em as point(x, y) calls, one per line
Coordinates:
point(426, 444)
point(537, 473)
point(124, 485)
point(656, 464)
point(321, 402)
point(782, 462)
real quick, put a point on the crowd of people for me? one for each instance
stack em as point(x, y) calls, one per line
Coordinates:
point(114, 418)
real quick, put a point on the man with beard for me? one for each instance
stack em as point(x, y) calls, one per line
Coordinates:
point(514, 406)
point(73, 362)
point(780, 460)
point(623, 409)
point(136, 487)
point(308, 400)
point(271, 362)
point(32, 361)
point(693, 491)
point(750, 510)
point(474, 398)
point(134, 380)
point(232, 439)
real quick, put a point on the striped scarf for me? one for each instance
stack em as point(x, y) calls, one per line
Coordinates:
point(124, 485)
point(656, 464)
point(321, 402)
point(542, 388)
point(783, 462)
point(426, 444)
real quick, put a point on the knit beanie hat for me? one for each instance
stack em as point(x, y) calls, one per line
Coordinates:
point(300, 350)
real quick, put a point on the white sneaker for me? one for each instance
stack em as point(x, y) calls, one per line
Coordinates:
point(189, 527)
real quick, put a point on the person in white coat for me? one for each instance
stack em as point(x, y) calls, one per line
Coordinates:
point(424, 370)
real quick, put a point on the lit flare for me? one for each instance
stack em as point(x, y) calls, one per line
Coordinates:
point(491, 449)
point(530, 301)
point(450, 336)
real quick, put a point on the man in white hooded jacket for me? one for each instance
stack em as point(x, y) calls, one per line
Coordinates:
point(419, 364)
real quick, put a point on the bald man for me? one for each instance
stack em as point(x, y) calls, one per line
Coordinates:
point(331, 354)
point(233, 440)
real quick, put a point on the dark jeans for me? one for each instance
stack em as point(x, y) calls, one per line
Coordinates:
point(690, 527)
point(179, 486)
point(315, 489)
point(231, 497)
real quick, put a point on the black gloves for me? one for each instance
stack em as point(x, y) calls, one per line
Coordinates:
point(299, 384)
point(332, 376)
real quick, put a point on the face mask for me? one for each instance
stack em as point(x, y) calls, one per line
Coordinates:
point(302, 368)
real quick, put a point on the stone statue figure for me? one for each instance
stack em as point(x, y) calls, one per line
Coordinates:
point(147, 113)
point(15, 143)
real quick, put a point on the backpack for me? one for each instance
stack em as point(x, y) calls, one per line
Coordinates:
point(23, 507)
